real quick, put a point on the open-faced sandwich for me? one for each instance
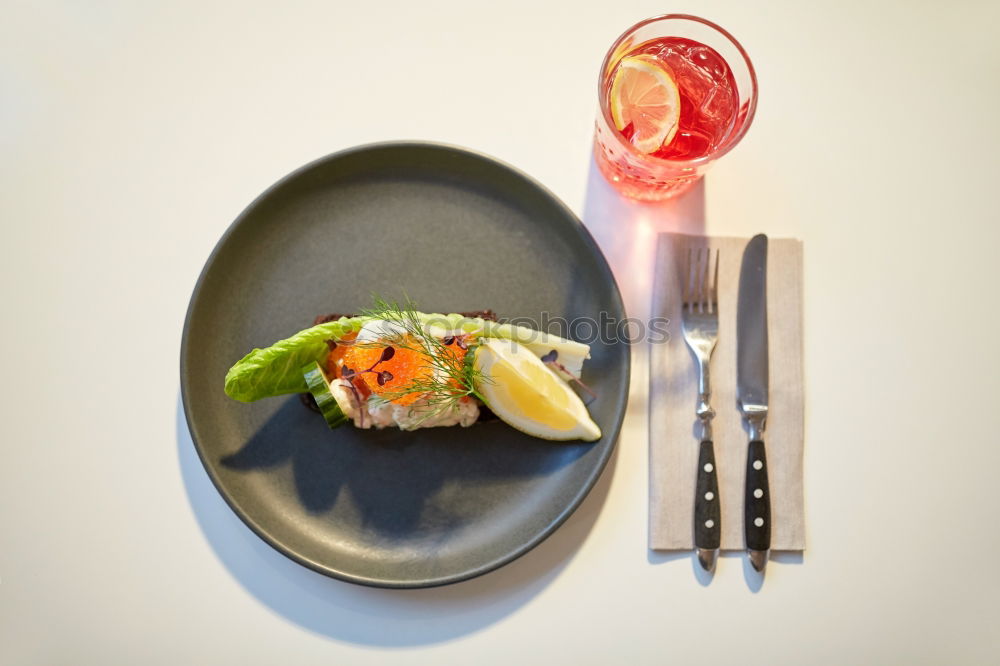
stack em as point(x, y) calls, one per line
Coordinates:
point(395, 366)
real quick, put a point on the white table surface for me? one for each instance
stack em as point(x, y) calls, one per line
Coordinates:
point(131, 135)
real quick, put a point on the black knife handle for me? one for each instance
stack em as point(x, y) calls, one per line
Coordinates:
point(757, 499)
point(707, 514)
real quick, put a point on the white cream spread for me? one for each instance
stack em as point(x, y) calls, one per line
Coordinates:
point(381, 413)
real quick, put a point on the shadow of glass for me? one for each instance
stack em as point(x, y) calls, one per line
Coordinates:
point(363, 615)
point(626, 232)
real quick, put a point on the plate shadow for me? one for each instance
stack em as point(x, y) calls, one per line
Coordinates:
point(414, 465)
point(376, 616)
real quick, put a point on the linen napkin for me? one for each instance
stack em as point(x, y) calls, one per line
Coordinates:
point(673, 394)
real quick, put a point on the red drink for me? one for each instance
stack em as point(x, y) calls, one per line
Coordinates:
point(670, 104)
point(707, 92)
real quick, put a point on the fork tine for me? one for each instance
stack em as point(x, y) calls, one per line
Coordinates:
point(704, 292)
point(684, 279)
point(696, 280)
point(687, 298)
point(687, 278)
point(715, 284)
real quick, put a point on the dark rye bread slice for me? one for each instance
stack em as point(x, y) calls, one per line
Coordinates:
point(484, 413)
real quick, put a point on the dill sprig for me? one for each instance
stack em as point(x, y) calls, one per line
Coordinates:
point(452, 377)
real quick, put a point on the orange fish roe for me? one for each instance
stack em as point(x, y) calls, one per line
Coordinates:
point(335, 358)
point(406, 366)
point(335, 361)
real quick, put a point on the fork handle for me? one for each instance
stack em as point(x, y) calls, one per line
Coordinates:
point(707, 513)
point(757, 500)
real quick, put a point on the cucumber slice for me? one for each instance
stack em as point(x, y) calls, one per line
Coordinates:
point(320, 389)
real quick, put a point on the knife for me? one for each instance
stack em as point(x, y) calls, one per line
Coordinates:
point(751, 392)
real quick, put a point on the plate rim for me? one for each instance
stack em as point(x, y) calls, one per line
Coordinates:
point(326, 569)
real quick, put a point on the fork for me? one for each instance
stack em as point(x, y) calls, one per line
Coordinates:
point(700, 323)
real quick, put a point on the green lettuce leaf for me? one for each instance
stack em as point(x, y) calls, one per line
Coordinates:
point(277, 370)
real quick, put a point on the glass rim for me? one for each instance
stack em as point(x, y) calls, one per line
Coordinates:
point(698, 161)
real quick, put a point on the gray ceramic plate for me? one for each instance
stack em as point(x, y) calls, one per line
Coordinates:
point(455, 231)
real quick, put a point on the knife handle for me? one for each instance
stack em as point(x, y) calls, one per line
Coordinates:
point(707, 514)
point(757, 499)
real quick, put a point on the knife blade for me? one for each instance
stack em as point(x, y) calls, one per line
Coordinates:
point(752, 393)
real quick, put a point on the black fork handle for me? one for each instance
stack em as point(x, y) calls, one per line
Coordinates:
point(707, 511)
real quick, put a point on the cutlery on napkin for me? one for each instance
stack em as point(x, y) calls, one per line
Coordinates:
point(673, 435)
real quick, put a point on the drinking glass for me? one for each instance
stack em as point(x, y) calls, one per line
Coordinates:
point(646, 177)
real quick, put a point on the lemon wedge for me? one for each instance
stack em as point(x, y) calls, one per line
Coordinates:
point(527, 395)
point(644, 95)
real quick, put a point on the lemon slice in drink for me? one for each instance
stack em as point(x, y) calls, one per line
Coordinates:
point(644, 94)
point(522, 391)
